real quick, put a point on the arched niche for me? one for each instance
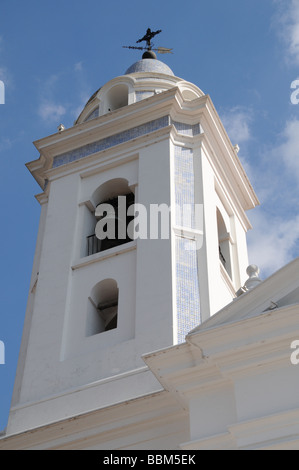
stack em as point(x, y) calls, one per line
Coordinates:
point(116, 97)
point(102, 308)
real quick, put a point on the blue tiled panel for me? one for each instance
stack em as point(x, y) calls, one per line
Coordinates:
point(188, 307)
point(187, 129)
point(110, 141)
point(184, 186)
point(187, 288)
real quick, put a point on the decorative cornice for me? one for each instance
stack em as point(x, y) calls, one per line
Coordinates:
point(101, 425)
point(111, 141)
point(144, 118)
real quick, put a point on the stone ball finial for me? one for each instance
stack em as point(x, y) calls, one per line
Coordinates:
point(149, 55)
point(253, 273)
point(252, 270)
point(253, 280)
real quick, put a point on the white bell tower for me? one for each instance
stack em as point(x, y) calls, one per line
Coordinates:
point(96, 306)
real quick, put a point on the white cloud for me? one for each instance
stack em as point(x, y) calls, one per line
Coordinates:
point(287, 24)
point(237, 121)
point(54, 104)
point(275, 238)
point(273, 242)
point(5, 74)
point(51, 112)
point(289, 150)
point(82, 100)
point(49, 109)
point(5, 143)
point(237, 124)
point(276, 169)
point(292, 29)
point(78, 67)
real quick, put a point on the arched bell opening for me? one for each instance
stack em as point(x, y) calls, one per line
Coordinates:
point(112, 201)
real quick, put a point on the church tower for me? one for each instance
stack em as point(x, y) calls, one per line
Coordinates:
point(97, 305)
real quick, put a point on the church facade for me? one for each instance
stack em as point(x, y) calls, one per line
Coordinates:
point(151, 338)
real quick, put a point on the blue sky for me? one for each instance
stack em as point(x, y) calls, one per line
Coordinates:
point(55, 54)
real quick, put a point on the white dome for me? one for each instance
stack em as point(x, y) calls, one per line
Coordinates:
point(149, 65)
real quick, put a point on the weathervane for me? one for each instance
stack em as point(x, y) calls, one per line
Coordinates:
point(149, 46)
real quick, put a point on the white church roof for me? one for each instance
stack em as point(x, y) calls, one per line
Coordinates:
point(278, 291)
